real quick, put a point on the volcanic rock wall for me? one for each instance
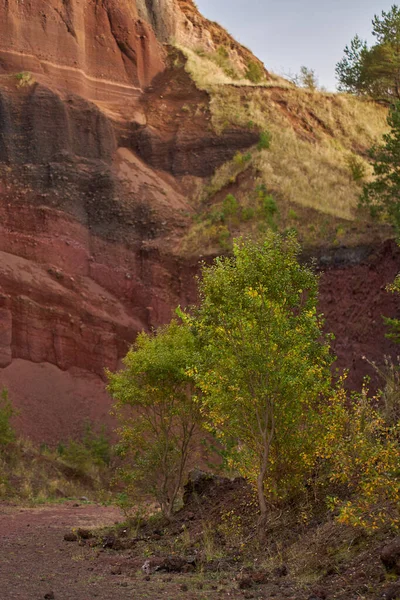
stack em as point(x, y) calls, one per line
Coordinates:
point(93, 163)
point(94, 48)
point(180, 21)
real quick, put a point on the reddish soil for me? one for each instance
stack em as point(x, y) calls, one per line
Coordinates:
point(354, 299)
point(318, 561)
point(36, 562)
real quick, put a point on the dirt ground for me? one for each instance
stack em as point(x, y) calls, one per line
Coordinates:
point(36, 563)
point(35, 560)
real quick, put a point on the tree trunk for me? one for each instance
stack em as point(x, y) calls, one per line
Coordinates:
point(262, 503)
point(168, 513)
point(262, 521)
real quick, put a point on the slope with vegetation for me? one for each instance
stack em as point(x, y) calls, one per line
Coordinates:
point(319, 466)
point(311, 158)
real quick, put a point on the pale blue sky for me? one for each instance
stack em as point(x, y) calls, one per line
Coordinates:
point(286, 34)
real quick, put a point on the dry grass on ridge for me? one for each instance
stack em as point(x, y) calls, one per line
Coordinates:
point(206, 73)
point(313, 136)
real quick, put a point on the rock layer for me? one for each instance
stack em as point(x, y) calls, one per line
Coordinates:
point(95, 48)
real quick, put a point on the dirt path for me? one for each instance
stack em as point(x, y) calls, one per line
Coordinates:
point(36, 563)
point(35, 560)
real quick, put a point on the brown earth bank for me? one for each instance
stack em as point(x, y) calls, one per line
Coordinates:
point(354, 299)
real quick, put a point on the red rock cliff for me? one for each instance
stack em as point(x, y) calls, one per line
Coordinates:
point(93, 162)
point(95, 48)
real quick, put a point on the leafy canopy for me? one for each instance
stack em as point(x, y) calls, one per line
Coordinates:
point(265, 360)
point(382, 195)
point(374, 71)
point(159, 412)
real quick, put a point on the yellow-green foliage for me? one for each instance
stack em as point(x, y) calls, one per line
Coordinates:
point(312, 137)
point(159, 411)
point(24, 79)
point(265, 363)
point(363, 454)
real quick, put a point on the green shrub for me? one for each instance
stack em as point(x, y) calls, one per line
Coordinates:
point(267, 206)
point(360, 451)
point(7, 433)
point(264, 142)
point(308, 78)
point(98, 445)
point(230, 206)
point(254, 72)
point(216, 216)
point(356, 167)
point(242, 159)
point(247, 213)
point(93, 450)
point(157, 438)
point(224, 236)
point(77, 456)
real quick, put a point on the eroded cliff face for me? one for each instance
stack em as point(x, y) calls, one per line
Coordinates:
point(103, 141)
point(98, 49)
point(101, 133)
point(180, 21)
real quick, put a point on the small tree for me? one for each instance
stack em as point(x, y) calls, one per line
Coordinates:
point(350, 70)
point(360, 451)
point(159, 411)
point(382, 195)
point(308, 78)
point(265, 362)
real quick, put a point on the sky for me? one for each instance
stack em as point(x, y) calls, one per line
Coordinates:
point(286, 34)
